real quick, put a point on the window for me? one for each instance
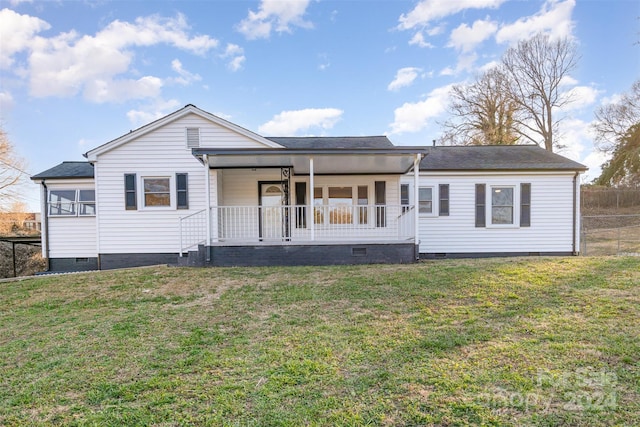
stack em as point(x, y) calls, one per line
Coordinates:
point(340, 201)
point(182, 191)
point(318, 210)
point(86, 202)
point(341, 205)
point(157, 191)
point(193, 137)
point(504, 205)
point(130, 191)
point(363, 202)
point(425, 200)
point(501, 205)
point(62, 202)
point(72, 203)
point(443, 205)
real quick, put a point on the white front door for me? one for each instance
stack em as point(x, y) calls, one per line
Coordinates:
point(272, 211)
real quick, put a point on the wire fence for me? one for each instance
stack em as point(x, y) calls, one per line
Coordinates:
point(610, 235)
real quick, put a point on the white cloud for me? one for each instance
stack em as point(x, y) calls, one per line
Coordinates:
point(185, 77)
point(70, 63)
point(151, 112)
point(432, 10)
point(100, 91)
point(6, 101)
point(290, 123)
point(274, 15)
point(404, 77)
point(465, 38)
point(580, 97)
point(17, 32)
point(413, 117)
point(465, 63)
point(418, 39)
point(554, 19)
point(236, 57)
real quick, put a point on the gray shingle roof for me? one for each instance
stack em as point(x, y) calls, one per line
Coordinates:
point(67, 170)
point(332, 142)
point(495, 157)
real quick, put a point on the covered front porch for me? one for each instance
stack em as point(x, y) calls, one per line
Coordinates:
point(297, 199)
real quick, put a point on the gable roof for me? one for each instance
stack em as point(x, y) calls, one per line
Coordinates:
point(187, 109)
point(495, 158)
point(333, 142)
point(67, 170)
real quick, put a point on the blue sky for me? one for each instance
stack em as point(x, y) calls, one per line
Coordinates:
point(76, 74)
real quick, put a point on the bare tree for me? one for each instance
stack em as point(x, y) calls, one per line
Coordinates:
point(482, 112)
point(614, 120)
point(11, 172)
point(617, 128)
point(536, 68)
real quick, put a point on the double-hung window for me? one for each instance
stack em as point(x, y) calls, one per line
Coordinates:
point(157, 191)
point(502, 205)
point(425, 200)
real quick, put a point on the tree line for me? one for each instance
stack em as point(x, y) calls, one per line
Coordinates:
point(520, 99)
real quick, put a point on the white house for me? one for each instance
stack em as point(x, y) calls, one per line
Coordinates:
point(194, 189)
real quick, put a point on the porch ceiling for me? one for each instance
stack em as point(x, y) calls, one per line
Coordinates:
point(397, 160)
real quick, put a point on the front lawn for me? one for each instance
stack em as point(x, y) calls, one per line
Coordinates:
point(537, 341)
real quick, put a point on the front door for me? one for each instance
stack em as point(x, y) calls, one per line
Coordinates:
point(273, 211)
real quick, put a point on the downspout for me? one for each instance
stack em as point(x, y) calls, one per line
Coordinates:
point(46, 223)
point(416, 195)
point(575, 213)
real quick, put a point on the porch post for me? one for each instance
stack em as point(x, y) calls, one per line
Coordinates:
point(207, 186)
point(311, 215)
point(416, 196)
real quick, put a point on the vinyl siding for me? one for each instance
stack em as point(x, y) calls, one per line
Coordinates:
point(71, 236)
point(161, 153)
point(551, 215)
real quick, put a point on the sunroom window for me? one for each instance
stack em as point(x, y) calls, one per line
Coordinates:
point(72, 203)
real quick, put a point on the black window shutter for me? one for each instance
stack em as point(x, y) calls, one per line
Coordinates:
point(525, 205)
point(443, 192)
point(301, 201)
point(480, 205)
point(182, 190)
point(130, 191)
point(381, 200)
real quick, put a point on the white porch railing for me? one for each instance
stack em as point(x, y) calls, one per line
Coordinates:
point(292, 224)
point(330, 223)
point(193, 231)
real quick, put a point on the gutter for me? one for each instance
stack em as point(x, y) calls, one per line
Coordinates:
point(46, 223)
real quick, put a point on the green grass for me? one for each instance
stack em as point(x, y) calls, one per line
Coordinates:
point(537, 341)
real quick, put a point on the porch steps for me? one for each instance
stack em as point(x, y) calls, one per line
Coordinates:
point(193, 258)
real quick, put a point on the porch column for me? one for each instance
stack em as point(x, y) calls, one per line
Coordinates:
point(311, 214)
point(416, 196)
point(207, 186)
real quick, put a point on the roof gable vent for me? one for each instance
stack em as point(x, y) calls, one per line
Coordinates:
point(193, 137)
